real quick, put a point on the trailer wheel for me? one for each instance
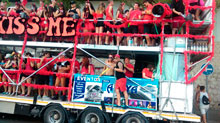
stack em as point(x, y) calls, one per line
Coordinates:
point(92, 116)
point(54, 114)
point(133, 119)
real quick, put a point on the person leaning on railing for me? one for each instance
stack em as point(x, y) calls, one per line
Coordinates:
point(147, 73)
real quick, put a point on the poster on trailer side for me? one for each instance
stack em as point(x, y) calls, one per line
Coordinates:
point(94, 89)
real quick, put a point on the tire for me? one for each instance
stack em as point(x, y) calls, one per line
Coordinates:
point(133, 119)
point(92, 116)
point(54, 114)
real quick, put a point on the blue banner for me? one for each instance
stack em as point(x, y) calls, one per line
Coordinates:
point(93, 89)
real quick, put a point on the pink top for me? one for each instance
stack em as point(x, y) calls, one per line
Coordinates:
point(120, 16)
point(84, 70)
point(99, 15)
point(28, 66)
point(108, 17)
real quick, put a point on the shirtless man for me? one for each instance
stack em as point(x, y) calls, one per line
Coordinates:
point(111, 63)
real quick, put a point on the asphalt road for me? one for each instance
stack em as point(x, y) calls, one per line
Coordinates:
point(7, 118)
point(213, 117)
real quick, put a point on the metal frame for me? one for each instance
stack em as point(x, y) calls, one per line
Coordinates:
point(81, 47)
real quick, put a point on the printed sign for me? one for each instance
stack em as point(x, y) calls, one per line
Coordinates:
point(87, 88)
point(56, 27)
point(94, 89)
point(141, 96)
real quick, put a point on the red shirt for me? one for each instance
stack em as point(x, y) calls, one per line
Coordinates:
point(13, 13)
point(148, 16)
point(127, 72)
point(98, 15)
point(44, 68)
point(121, 16)
point(3, 13)
point(108, 17)
point(134, 15)
point(147, 73)
point(77, 67)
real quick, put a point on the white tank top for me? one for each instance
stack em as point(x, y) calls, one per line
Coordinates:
point(200, 98)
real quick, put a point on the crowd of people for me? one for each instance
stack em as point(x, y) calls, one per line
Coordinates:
point(106, 12)
point(61, 65)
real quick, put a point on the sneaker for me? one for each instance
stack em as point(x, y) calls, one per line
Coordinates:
point(22, 95)
point(4, 93)
point(38, 97)
point(63, 97)
point(45, 98)
point(12, 94)
point(125, 107)
point(117, 106)
point(55, 97)
point(27, 95)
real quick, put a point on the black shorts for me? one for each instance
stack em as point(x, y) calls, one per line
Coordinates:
point(100, 23)
point(42, 80)
point(133, 29)
point(120, 23)
point(167, 29)
point(147, 28)
point(109, 28)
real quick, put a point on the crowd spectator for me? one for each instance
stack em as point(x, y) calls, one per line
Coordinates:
point(44, 24)
point(148, 16)
point(129, 68)
point(29, 66)
point(196, 12)
point(88, 26)
point(99, 15)
point(120, 18)
point(62, 67)
point(106, 70)
point(73, 11)
point(110, 18)
point(204, 100)
point(3, 7)
point(43, 79)
point(52, 8)
point(15, 12)
point(147, 73)
point(178, 12)
point(121, 81)
point(56, 9)
point(12, 64)
point(86, 67)
point(134, 14)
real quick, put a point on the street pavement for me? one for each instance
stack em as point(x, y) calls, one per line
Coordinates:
point(213, 117)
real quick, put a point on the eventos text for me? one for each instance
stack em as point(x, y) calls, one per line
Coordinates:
point(56, 27)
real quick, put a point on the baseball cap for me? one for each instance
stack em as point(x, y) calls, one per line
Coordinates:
point(72, 2)
point(118, 56)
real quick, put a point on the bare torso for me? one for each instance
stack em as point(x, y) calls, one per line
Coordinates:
point(109, 72)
